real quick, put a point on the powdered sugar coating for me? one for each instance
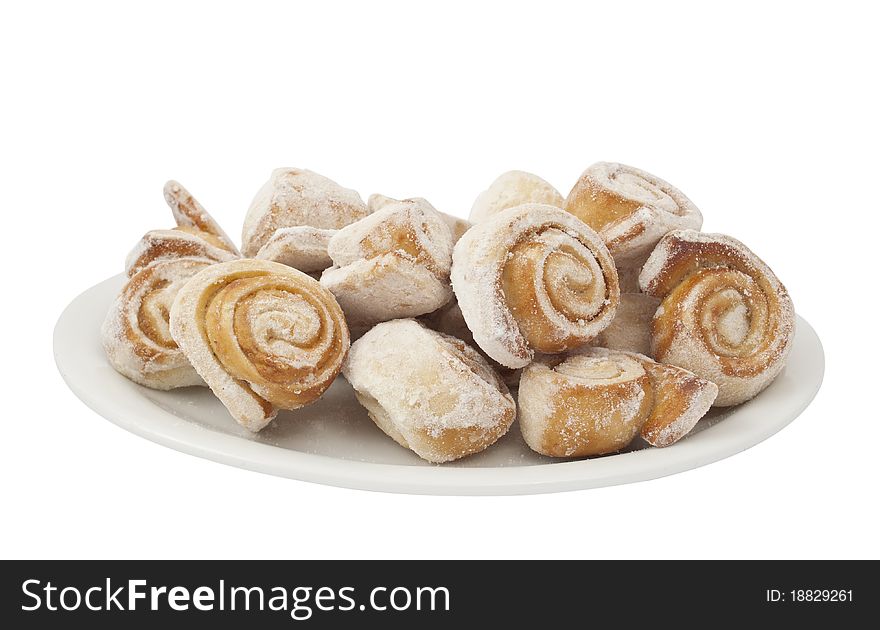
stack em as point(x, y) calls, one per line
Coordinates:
point(724, 316)
point(393, 264)
point(512, 189)
point(630, 208)
point(448, 320)
point(160, 245)
point(294, 197)
point(302, 247)
point(679, 398)
point(189, 213)
point(590, 403)
point(456, 225)
point(533, 272)
point(430, 392)
point(262, 335)
point(135, 334)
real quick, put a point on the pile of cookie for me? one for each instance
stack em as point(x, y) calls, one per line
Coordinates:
point(607, 313)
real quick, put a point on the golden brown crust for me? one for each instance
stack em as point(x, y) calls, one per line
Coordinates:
point(528, 259)
point(681, 398)
point(533, 279)
point(724, 316)
point(135, 334)
point(630, 208)
point(587, 404)
point(574, 420)
point(262, 335)
point(596, 401)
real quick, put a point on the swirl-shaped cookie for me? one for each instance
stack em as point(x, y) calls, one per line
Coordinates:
point(294, 197)
point(429, 392)
point(263, 336)
point(583, 405)
point(533, 278)
point(512, 189)
point(135, 333)
point(724, 316)
point(630, 209)
point(597, 400)
point(393, 264)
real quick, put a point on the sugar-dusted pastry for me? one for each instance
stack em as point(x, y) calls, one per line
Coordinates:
point(456, 225)
point(681, 398)
point(197, 235)
point(135, 333)
point(392, 264)
point(160, 245)
point(725, 316)
point(302, 247)
point(596, 401)
point(631, 209)
point(584, 404)
point(533, 279)
point(192, 217)
point(630, 329)
point(262, 335)
point(429, 392)
point(294, 197)
point(448, 320)
point(510, 189)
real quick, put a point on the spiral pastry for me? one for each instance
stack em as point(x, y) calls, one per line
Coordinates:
point(393, 264)
point(630, 209)
point(263, 336)
point(533, 278)
point(135, 334)
point(586, 404)
point(724, 316)
point(429, 392)
point(293, 197)
point(512, 189)
point(597, 400)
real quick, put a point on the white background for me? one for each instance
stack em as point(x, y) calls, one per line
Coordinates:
point(765, 114)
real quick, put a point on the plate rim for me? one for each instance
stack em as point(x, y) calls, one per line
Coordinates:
point(704, 448)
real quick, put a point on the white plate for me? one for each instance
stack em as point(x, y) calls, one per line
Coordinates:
point(334, 442)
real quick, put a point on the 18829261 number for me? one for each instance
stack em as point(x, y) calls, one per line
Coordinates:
point(821, 595)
